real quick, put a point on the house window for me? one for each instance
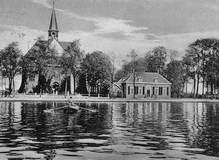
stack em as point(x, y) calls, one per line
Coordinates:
point(136, 90)
point(128, 89)
point(143, 90)
point(140, 80)
point(140, 91)
point(160, 90)
point(168, 91)
point(164, 91)
point(132, 91)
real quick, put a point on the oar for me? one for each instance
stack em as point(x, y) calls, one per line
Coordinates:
point(53, 109)
point(91, 110)
point(77, 108)
point(61, 107)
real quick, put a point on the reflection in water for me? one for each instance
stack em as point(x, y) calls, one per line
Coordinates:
point(116, 131)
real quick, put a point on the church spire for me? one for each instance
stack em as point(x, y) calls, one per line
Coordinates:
point(53, 27)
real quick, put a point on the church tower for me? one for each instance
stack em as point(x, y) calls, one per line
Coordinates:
point(53, 27)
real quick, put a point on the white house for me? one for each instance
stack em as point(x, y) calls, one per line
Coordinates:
point(147, 84)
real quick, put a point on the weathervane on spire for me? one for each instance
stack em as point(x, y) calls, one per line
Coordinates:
point(53, 3)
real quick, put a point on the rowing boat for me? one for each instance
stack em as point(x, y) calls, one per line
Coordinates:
point(70, 107)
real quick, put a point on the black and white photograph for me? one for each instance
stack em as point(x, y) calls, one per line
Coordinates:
point(109, 79)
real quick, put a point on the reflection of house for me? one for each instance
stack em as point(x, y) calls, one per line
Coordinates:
point(147, 84)
point(52, 43)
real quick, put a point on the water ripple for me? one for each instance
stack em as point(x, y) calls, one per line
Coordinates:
point(116, 131)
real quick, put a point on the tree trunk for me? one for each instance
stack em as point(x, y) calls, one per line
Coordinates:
point(66, 88)
point(23, 83)
point(198, 78)
point(134, 83)
point(89, 90)
point(72, 83)
point(203, 74)
point(13, 88)
point(215, 82)
point(88, 87)
point(207, 85)
point(194, 86)
point(212, 87)
point(203, 87)
point(10, 85)
point(40, 84)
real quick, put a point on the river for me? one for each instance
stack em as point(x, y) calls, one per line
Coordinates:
point(109, 131)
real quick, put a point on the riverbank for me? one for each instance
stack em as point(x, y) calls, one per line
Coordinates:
point(79, 98)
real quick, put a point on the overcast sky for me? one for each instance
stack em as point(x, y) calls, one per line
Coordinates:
point(112, 25)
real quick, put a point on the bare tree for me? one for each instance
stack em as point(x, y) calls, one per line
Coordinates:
point(133, 56)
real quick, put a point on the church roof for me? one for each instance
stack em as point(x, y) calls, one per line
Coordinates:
point(64, 45)
point(53, 22)
point(36, 46)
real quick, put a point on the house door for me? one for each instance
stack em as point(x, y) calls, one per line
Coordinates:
point(148, 93)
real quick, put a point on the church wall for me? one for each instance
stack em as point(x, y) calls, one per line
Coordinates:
point(53, 44)
point(56, 46)
point(31, 83)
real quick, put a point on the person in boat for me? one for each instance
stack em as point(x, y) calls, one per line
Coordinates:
point(72, 105)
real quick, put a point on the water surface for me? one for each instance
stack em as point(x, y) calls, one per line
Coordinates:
point(115, 131)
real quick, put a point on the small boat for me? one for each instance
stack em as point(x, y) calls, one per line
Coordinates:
point(71, 107)
point(76, 107)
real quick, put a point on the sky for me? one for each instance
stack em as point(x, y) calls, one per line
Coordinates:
point(112, 26)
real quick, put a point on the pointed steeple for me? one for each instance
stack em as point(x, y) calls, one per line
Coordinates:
point(53, 27)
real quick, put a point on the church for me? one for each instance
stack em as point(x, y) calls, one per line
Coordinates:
point(52, 43)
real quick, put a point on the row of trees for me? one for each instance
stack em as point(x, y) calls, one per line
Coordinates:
point(202, 64)
point(92, 69)
point(199, 65)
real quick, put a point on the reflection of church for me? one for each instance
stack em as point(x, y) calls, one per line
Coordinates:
point(59, 47)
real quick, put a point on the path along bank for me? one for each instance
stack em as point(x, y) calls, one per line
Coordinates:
point(46, 98)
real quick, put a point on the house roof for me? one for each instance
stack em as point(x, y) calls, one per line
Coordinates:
point(148, 77)
point(115, 84)
point(125, 78)
point(118, 84)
